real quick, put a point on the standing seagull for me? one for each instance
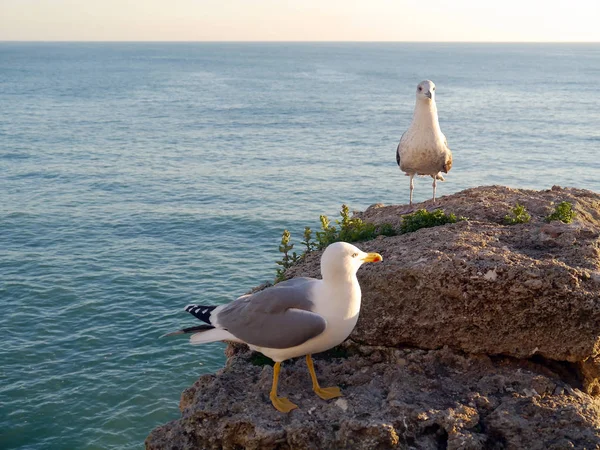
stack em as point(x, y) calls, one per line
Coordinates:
point(423, 149)
point(293, 318)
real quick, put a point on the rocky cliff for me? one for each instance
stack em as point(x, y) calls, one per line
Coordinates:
point(472, 335)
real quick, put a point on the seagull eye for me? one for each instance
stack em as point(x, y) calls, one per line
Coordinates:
point(433, 89)
point(354, 255)
point(420, 88)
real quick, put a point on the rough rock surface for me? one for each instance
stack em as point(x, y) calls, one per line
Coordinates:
point(484, 287)
point(393, 398)
point(474, 335)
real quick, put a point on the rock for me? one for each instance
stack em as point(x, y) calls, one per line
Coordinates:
point(483, 287)
point(453, 401)
point(473, 335)
point(590, 374)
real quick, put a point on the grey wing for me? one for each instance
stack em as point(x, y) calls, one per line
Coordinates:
point(295, 282)
point(277, 317)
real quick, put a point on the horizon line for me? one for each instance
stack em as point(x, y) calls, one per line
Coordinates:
point(283, 42)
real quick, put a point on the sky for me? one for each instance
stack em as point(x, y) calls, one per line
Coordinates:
point(301, 20)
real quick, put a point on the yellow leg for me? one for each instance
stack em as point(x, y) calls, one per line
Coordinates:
point(324, 393)
point(281, 404)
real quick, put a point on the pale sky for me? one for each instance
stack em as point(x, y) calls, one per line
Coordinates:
point(300, 20)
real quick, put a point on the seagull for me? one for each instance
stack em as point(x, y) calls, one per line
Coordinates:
point(423, 148)
point(294, 318)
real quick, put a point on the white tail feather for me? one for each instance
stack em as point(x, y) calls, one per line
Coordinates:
point(212, 336)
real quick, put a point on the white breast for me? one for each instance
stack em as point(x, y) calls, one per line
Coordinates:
point(423, 147)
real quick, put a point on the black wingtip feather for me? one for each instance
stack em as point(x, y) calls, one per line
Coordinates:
point(201, 312)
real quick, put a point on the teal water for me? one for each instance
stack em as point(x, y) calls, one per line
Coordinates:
point(138, 178)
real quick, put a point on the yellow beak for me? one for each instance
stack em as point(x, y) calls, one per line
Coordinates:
point(372, 257)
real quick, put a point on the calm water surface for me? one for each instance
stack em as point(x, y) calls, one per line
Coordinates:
point(138, 178)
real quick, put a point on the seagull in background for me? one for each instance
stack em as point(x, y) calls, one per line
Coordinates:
point(423, 149)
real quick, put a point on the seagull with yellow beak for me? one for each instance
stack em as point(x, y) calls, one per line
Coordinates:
point(296, 317)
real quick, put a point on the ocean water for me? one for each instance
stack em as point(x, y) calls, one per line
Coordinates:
point(138, 178)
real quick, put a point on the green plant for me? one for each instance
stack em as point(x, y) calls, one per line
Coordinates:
point(310, 246)
point(328, 233)
point(563, 212)
point(351, 229)
point(354, 229)
point(386, 229)
point(287, 260)
point(345, 215)
point(518, 215)
point(348, 229)
point(425, 219)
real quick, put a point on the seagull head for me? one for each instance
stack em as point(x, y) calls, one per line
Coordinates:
point(426, 91)
point(342, 260)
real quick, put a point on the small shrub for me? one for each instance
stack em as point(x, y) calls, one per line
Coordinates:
point(328, 233)
point(348, 229)
point(310, 246)
point(425, 219)
point(287, 260)
point(563, 212)
point(386, 229)
point(354, 230)
point(518, 215)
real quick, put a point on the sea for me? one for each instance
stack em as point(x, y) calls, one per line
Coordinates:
point(136, 178)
